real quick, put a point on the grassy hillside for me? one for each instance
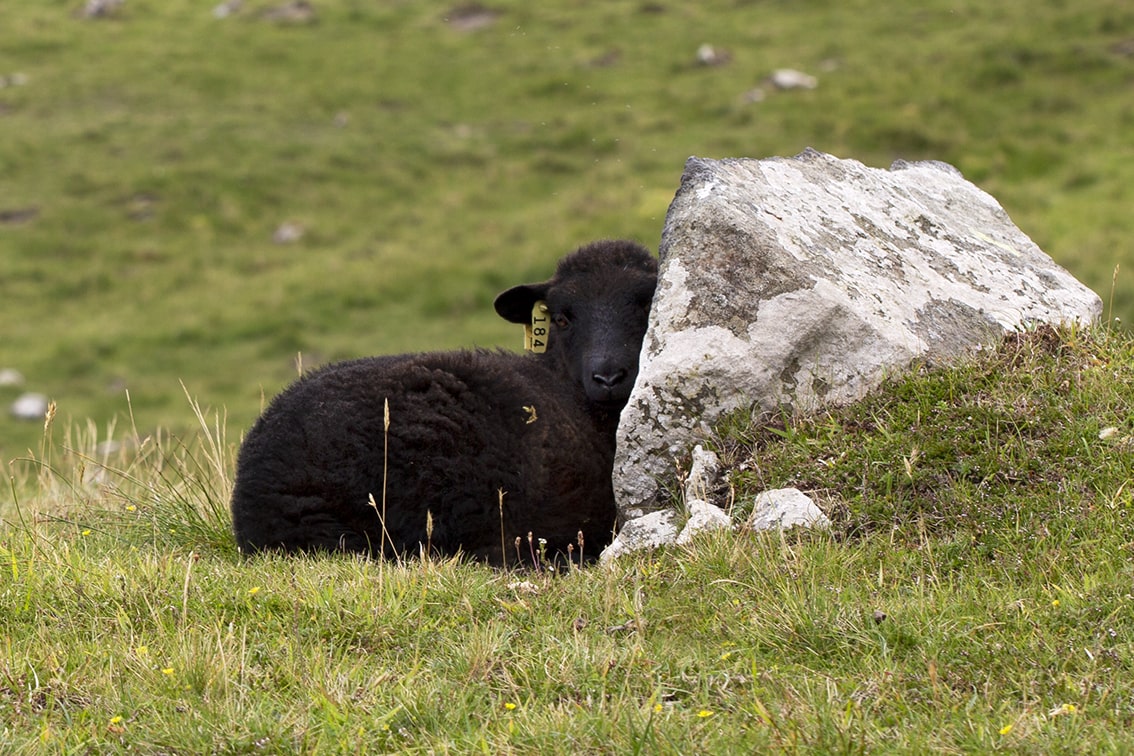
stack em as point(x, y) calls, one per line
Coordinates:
point(147, 159)
point(972, 596)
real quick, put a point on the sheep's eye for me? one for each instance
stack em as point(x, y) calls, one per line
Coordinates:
point(560, 320)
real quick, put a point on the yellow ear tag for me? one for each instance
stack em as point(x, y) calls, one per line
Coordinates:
point(535, 335)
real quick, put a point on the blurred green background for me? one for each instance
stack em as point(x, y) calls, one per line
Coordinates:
point(194, 192)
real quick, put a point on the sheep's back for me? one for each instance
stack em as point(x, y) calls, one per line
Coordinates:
point(463, 427)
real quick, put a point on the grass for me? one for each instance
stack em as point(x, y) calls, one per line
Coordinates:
point(146, 159)
point(971, 596)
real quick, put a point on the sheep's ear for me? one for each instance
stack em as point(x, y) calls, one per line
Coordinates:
point(515, 304)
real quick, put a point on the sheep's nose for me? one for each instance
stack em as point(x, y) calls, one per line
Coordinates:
point(610, 379)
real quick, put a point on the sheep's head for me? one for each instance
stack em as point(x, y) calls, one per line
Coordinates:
point(598, 306)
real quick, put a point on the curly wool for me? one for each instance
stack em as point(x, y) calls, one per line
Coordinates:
point(481, 446)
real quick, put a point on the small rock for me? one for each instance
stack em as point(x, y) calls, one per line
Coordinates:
point(11, 377)
point(787, 78)
point(288, 233)
point(295, 12)
point(227, 8)
point(707, 55)
point(31, 407)
point(18, 215)
point(472, 17)
point(524, 586)
point(646, 532)
point(704, 475)
point(785, 508)
point(101, 8)
point(703, 518)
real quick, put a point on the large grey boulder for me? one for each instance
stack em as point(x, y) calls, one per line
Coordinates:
point(805, 281)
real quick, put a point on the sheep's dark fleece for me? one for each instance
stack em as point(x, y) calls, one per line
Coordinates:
point(463, 426)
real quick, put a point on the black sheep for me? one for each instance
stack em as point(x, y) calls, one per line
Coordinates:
point(321, 470)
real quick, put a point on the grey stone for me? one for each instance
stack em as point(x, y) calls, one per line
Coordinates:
point(11, 377)
point(101, 8)
point(707, 55)
point(788, 78)
point(801, 282)
point(293, 12)
point(472, 17)
point(705, 476)
point(227, 8)
point(658, 529)
point(649, 532)
point(703, 518)
point(288, 232)
point(784, 508)
point(30, 407)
